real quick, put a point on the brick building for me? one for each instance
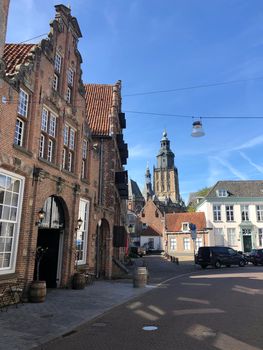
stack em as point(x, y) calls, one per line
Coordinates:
point(110, 188)
point(53, 161)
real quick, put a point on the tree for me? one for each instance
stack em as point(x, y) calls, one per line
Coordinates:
point(193, 202)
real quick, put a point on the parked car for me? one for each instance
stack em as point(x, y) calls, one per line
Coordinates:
point(217, 256)
point(140, 251)
point(256, 256)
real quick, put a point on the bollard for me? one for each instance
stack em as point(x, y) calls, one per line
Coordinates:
point(140, 277)
point(177, 261)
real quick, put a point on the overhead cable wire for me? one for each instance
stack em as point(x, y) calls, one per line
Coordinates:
point(192, 87)
point(35, 37)
point(202, 117)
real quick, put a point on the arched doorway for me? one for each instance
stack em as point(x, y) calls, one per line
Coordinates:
point(102, 233)
point(50, 236)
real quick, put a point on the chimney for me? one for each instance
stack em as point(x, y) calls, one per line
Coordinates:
point(4, 5)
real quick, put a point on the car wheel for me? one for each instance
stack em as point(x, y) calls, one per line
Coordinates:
point(255, 263)
point(241, 263)
point(204, 266)
point(228, 265)
point(217, 264)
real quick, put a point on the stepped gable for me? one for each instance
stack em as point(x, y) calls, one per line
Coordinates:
point(16, 54)
point(98, 103)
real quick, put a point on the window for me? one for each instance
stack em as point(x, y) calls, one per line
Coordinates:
point(64, 158)
point(198, 242)
point(72, 139)
point(244, 213)
point(50, 150)
point(186, 243)
point(22, 111)
point(82, 233)
point(11, 189)
point(69, 161)
point(259, 209)
point(231, 237)
point(219, 236)
point(55, 82)
point(66, 131)
point(48, 134)
point(69, 147)
point(22, 104)
point(217, 212)
point(229, 213)
point(70, 77)
point(260, 237)
point(173, 244)
point(58, 62)
point(222, 193)
point(68, 95)
point(185, 226)
point(19, 132)
point(84, 158)
point(41, 146)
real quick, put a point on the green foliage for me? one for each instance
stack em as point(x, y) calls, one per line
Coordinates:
point(201, 193)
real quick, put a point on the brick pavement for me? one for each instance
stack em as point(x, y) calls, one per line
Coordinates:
point(65, 309)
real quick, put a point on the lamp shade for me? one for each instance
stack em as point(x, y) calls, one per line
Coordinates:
point(197, 129)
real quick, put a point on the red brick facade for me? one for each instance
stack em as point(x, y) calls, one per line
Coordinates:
point(63, 165)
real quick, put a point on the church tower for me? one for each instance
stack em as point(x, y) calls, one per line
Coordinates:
point(147, 191)
point(166, 182)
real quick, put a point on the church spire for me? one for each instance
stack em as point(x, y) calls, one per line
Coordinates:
point(147, 192)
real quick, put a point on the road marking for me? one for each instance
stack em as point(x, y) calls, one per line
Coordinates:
point(191, 300)
point(146, 315)
point(195, 284)
point(156, 309)
point(197, 311)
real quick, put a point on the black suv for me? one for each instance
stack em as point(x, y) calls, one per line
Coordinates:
point(256, 256)
point(217, 256)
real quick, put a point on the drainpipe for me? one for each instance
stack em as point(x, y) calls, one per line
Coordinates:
point(101, 172)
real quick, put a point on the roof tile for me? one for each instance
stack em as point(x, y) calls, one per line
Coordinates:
point(15, 54)
point(99, 102)
point(174, 220)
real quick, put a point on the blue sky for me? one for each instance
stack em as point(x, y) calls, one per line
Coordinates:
point(154, 45)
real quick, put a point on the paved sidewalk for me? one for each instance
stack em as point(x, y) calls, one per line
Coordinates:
point(64, 309)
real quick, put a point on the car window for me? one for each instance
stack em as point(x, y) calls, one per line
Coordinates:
point(231, 251)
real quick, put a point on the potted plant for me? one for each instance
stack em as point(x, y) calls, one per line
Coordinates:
point(38, 289)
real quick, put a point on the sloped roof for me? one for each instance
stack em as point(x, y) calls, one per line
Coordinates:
point(244, 188)
point(98, 103)
point(134, 189)
point(16, 54)
point(150, 231)
point(174, 221)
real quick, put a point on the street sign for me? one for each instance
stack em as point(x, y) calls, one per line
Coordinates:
point(193, 231)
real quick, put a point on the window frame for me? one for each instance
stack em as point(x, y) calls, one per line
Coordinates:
point(217, 212)
point(83, 231)
point(48, 134)
point(19, 141)
point(16, 223)
point(173, 244)
point(58, 62)
point(230, 212)
point(244, 208)
point(23, 101)
point(259, 212)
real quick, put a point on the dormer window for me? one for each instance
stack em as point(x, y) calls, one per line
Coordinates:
point(144, 226)
point(222, 193)
point(185, 226)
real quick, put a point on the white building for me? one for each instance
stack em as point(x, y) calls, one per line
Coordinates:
point(234, 213)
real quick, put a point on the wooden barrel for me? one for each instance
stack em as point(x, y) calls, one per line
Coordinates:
point(140, 277)
point(78, 281)
point(37, 291)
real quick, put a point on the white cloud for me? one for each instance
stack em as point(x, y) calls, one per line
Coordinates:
point(140, 151)
point(232, 169)
point(251, 143)
point(259, 168)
